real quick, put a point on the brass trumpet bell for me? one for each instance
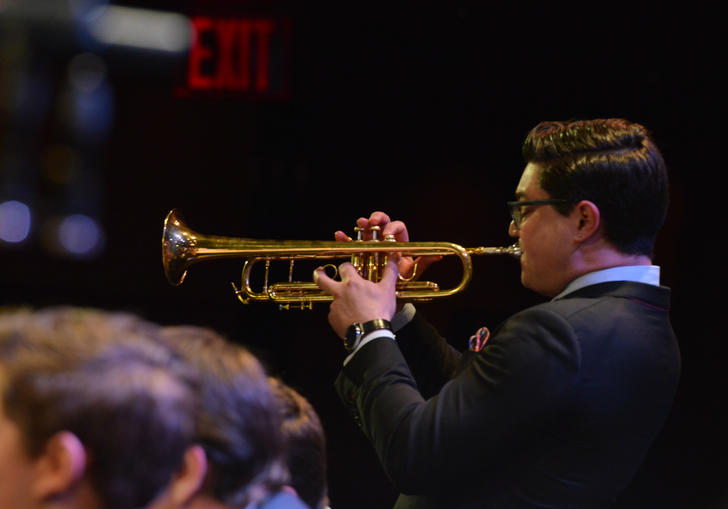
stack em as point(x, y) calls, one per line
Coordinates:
point(182, 247)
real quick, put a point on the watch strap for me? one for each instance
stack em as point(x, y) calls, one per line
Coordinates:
point(357, 330)
point(376, 324)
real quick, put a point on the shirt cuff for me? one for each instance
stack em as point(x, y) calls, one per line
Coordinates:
point(403, 317)
point(379, 333)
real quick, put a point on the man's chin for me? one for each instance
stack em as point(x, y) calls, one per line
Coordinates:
point(524, 280)
point(534, 286)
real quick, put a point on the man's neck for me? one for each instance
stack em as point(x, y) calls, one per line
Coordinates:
point(602, 255)
point(205, 502)
point(198, 501)
point(594, 255)
point(83, 496)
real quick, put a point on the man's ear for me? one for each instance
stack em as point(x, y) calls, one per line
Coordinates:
point(188, 481)
point(60, 467)
point(587, 215)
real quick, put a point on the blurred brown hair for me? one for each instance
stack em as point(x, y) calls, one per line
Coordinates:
point(104, 377)
point(306, 456)
point(237, 422)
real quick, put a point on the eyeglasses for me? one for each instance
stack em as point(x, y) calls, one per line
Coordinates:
point(517, 212)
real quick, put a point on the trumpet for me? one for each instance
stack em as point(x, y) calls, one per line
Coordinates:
point(182, 247)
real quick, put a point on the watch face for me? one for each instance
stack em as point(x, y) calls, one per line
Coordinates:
point(353, 333)
point(357, 330)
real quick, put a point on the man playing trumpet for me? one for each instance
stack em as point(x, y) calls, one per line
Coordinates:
point(559, 407)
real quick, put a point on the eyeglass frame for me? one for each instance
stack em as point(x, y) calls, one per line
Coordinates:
point(515, 208)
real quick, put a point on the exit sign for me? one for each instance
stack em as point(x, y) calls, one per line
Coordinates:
point(244, 55)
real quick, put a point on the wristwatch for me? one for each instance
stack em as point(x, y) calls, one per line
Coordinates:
point(357, 330)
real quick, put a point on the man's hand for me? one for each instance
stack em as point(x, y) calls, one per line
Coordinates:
point(406, 265)
point(356, 299)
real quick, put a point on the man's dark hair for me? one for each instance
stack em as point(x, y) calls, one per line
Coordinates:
point(613, 163)
point(103, 377)
point(237, 423)
point(306, 444)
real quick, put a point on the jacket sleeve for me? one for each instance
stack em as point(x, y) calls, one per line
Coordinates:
point(431, 359)
point(499, 398)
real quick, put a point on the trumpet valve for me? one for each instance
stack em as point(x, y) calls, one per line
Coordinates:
point(356, 258)
point(374, 266)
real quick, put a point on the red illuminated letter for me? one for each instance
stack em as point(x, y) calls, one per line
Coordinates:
point(227, 76)
point(263, 29)
point(198, 54)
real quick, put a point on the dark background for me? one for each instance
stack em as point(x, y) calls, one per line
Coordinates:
point(417, 109)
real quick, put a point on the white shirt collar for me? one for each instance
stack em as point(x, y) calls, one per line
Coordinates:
point(648, 274)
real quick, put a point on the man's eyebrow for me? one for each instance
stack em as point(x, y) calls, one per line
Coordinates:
point(520, 194)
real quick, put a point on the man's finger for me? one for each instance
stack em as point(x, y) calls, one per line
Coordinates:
point(398, 230)
point(347, 271)
point(341, 236)
point(379, 218)
point(406, 266)
point(389, 276)
point(324, 282)
point(425, 261)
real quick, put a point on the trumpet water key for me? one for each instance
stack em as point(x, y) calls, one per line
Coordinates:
point(182, 247)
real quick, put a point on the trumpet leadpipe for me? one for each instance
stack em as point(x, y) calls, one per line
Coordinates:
point(512, 250)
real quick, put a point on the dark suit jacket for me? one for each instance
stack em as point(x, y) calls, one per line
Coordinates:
point(558, 410)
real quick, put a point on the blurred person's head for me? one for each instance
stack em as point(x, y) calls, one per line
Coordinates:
point(306, 445)
point(237, 422)
point(94, 411)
